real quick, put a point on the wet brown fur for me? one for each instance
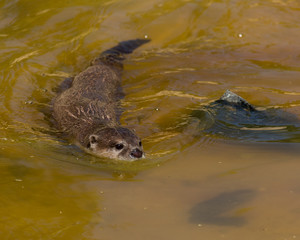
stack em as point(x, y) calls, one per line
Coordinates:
point(91, 104)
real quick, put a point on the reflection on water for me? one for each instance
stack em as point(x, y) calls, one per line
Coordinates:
point(53, 190)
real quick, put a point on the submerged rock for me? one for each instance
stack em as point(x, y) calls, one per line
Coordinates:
point(233, 117)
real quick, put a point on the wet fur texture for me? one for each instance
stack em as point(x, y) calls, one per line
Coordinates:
point(88, 111)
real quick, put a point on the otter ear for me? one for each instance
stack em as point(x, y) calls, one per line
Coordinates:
point(93, 140)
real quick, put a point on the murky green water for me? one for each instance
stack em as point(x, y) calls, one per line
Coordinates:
point(192, 185)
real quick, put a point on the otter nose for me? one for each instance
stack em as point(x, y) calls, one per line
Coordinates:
point(136, 153)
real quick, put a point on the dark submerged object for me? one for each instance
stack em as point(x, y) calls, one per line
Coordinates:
point(233, 117)
point(88, 108)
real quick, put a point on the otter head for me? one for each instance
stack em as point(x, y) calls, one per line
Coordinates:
point(118, 143)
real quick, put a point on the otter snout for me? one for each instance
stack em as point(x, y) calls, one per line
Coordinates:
point(136, 153)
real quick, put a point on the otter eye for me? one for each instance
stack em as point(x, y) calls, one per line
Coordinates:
point(140, 143)
point(119, 146)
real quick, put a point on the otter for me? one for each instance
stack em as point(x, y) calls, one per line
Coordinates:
point(87, 110)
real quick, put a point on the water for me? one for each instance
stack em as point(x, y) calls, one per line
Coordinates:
point(192, 184)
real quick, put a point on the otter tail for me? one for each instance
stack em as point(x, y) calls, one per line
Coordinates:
point(114, 56)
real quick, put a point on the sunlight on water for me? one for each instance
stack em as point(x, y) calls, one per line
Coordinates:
point(217, 176)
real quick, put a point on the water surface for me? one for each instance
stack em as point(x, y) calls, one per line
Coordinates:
point(192, 184)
